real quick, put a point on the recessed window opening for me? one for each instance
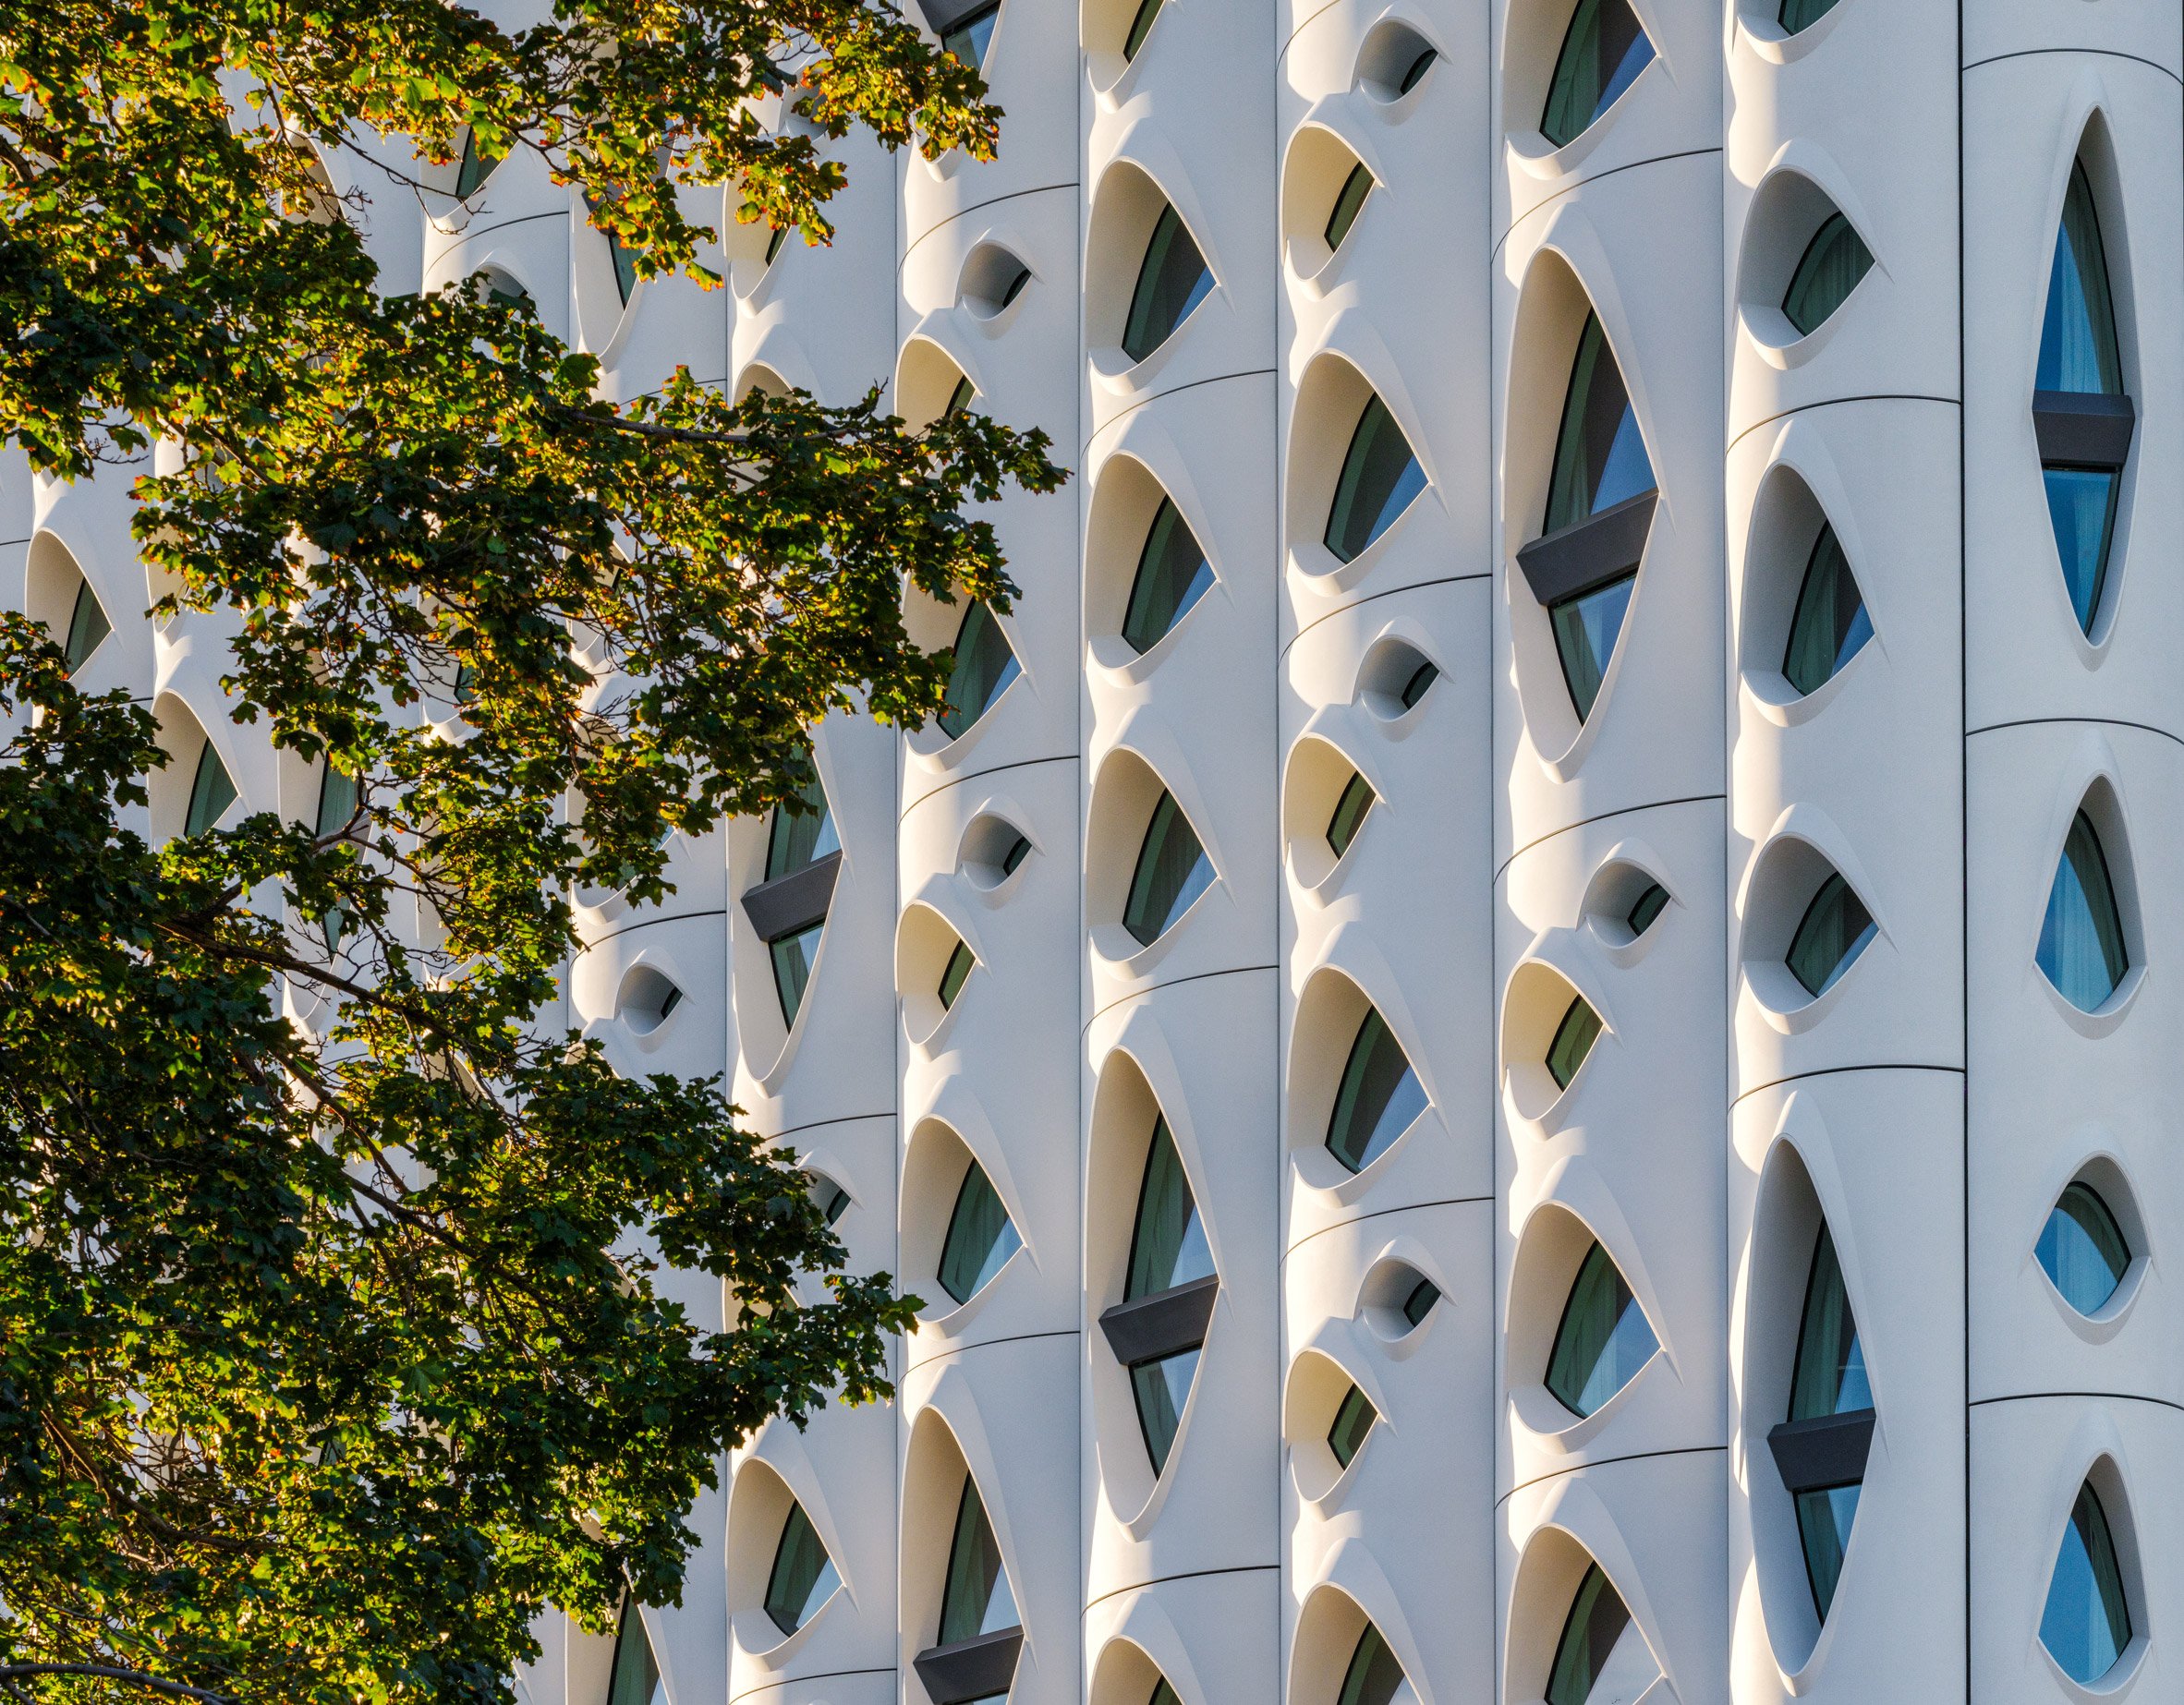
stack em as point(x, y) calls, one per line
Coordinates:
point(981, 1237)
point(1832, 932)
point(1830, 624)
point(1158, 1328)
point(1414, 689)
point(1374, 1676)
point(212, 791)
point(634, 1678)
point(1827, 273)
point(2086, 1623)
point(1349, 813)
point(1600, 502)
point(803, 1577)
point(648, 999)
point(1019, 849)
point(1173, 574)
point(1419, 1303)
point(984, 667)
point(1821, 1449)
point(1173, 871)
point(1380, 478)
point(981, 1632)
point(959, 398)
point(2081, 413)
point(1171, 281)
point(1414, 73)
point(802, 832)
point(955, 974)
point(829, 1197)
point(788, 909)
point(1603, 1339)
point(969, 37)
point(1349, 203)
point(1798, 14)
point(1575, 1035)
point(1353, 1419)
point(1602, 55)
point(87, 627)
point(2082, 949)
point(773, 242)
point(1393, 60)
point(1596, 1646)
point(1141, 26)
point(1378, 1098)
point(476, 165)
point(1651, 900)
point(2082, 1250)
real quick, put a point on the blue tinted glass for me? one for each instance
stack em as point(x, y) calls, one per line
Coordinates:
point(1586, 628)
point(2087, 1621)
point(2082, 504)
point(2082, 949)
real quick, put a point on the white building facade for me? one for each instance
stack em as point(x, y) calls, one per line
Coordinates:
point(1518, 1030)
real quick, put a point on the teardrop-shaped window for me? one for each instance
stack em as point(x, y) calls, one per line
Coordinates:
point(955, 974)
point(981, 1237)
point(1798, 14)
point(1602, 54)
point(1831, 935)
point(2087, 1621)
point(1596, 1645)
point(1173, 871)
point(1575, 1035)
point(1349, 203)
point(1374, 1676)
point(976, 1599)
point(2082, 1250)
point(87, 626)
point(2081, 945)
point(802, 835)
point(1173, 574)
point(211, 791)
point(1171, 281)
point(1378, 1098)
point(804, 1576)
point(1167, 1249)
point(634, 1678)
point(1603, 1339)
point(1141, 26)
point(1828, 271)
point(1353, 1419)
point(1349, 814)
point(983, 668)
point(1830, 623)
point(2082, 448)
point(1828, 1379)
point(1379, 479)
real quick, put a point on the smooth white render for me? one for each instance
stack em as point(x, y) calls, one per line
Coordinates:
point(1931, 1106)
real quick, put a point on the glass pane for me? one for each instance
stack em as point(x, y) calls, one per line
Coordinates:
point(1374, 1674)
point(1140, 27)
point(793, 959)
point(1173, 574)
point(2081, 1248)
point(1832, 933)
point(959, 398)
point(955, 974)
point(1600, 458)
point(1596, 1621)
point(984, 667)
point(1163, 1694)
point(1417, 72)
point(1603, 1339)
point(1646, 908)
point(477, 165)
point(1348, 203)
point(2077, 350)
point(969, 39)
point(1161, 1388)
point(2081, 506)
point(829, 1197)
point(1829, 270)
point(803, 1574)
point(1353, 1419)
point(1830, 623)
point(1573, 1041)
point(337, 808)
point(802, 832)
point(1171, 281)
point(980, 1239)
point(1419, 1303)
point(2082, 937)
point(1168, 1246)
point(635, 1678)
point(1803, 14)
point(1349, 814)
point(1603, 51)
point(976, 1599)
point(1424, 676)
point(87, 626)
point(624, 258)
point(1824, 1520)
point(1830, 1375)
point(211, 793)
point(1379, 479)
point(1019, 850)
point(1378, 1098)
point(2087, 1622)
point(1586, 628)
point(1173, 871)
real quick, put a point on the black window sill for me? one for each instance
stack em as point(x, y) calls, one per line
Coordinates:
point(1165, 1324)
point(1822, 1452)
point(796, 902)
point(2080, 428)
point(1577, 559)
point(969, 1669)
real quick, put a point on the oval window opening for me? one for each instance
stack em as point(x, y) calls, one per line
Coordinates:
point(2082, 1250)
point(1380, 1096)
point(1380, 478)
point(1831, 267)
point(1603, 1339)
point(1171, 281)
point(1602, 55)
point(1832, 932)
point(2082, 949)
point(2086, 1624)
point(1830, 624)
point(1173, 574)
point(1173, 871)
point(980, 1239)
point(804, 1576)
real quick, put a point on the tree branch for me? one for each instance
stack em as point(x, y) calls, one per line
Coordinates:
point(107, 1672)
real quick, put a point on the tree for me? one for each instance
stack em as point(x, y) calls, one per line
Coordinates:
point(331, 1353)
